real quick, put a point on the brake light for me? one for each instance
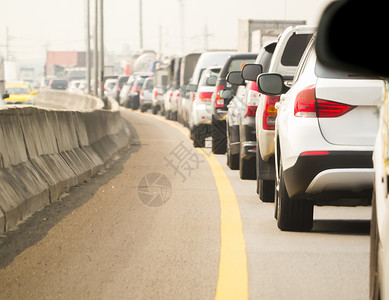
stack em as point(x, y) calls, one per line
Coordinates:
point(253, 93)
point(251, 110)
point(252, 99)
point(155, 93)
point(270, 112)
point(136, 88)
point(307, 105)
point(219, 102)
point(170, 96)
point(205, 96)
point(311, 153)
point(142, 93)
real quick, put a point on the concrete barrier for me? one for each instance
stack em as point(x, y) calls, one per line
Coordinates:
point(46, 151)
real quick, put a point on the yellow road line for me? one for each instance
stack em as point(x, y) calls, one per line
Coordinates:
point(233, 277)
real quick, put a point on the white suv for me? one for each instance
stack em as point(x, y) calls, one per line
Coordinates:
point(286, 57)
point(325, 131)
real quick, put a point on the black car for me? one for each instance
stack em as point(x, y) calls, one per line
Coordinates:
point(219, 105)
point(58, 84)
point(241, 148)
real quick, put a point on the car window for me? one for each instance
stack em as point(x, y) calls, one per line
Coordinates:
point(17, 90)
point(304, 61)
point(210, 73)
point(111, 84)
point(294, 49)
point(148, 85)
point(325, 72)
point(122, 80)
point(265, 61)
point(139, 81)
point(236, 64)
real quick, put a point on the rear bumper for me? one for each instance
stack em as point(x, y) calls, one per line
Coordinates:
point(348, 173)
point(220, 113)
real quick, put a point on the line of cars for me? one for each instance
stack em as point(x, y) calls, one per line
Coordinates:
point(304, 131)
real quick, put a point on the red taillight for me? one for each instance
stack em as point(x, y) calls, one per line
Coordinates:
point(205, 96)
point(312, 153)
point(251, 110)
point(136, 88)
point(105, 88)
point(155, 93)
point(270, 112)
point(307, 105)
point(219, 102)
point(142, 93)
point(252, 99)
point(170, 96)
point(330, 109)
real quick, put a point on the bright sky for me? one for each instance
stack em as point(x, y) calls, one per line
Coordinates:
point(37, 25)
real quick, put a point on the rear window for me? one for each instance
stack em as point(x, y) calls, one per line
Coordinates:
point(148, 85)
point(111, 84)
point(161, 80)
point(123, 80)
point(294, 49)
point(59, 84)
point(139, 81)
point(324, 72)
point(236, 64)
point(211, 73)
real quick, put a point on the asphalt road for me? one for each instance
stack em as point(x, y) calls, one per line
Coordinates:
point(165, 221)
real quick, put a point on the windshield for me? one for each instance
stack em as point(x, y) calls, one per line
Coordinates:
point(17, 90)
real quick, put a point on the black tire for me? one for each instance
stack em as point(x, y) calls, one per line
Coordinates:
point(232, 159)
point(374, 240)
point(143, 108)
point(247, 168)
point(135, 104)
point(198, 136)
point(219, 139)
point(265, 188)
point(155, 110)
point(292, 214)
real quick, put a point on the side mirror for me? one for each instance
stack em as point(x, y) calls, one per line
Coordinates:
point(251, 71)
point(235, 78)
point(191, 87)
point(340, 40)
point(211, 81)
point(5, 96)
point(271, 84)
point(225, 94)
